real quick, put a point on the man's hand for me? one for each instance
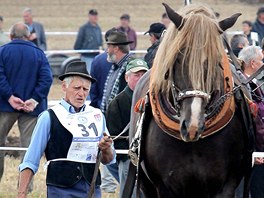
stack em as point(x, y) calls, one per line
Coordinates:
point(30, 105)
point(106, 149)
point(33, 36)
point(259, 160)
point(16, 103)
point(105, 143)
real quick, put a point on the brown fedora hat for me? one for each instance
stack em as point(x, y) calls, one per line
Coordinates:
point(77, 68)
point(118, 38)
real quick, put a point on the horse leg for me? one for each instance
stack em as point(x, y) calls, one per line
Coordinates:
point(146, 186)
point(164, 192)
point(228, 190)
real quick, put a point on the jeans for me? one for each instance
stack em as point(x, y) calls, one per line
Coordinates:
point(108, 182)
point(120, 170)
point(80, 189)
point(88, 60)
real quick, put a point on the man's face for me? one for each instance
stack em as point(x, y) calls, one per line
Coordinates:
point(258, 62)
point(133, 77)
point(124, 23)
point(261, 17)
point(27, 18)
point(93, 18)
point(76, 92)
point(111, 56)
point(246, 28)
point(152, 38)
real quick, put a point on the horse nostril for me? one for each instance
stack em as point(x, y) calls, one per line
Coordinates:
point(184, 127)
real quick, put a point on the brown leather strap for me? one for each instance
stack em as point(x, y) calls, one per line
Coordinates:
point(212, 125)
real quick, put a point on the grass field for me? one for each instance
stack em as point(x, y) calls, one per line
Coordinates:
point(68, 15)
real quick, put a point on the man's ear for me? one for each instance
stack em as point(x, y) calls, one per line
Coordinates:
point(126, 78)
point(63, 86)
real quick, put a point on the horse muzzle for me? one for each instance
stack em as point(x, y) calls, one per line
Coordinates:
point(191, 133)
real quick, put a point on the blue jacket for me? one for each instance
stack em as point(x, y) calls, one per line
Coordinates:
point(259, 28)
point(24, 73)
point(99, 70)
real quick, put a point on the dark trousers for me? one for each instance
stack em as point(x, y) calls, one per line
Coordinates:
point(257, 182)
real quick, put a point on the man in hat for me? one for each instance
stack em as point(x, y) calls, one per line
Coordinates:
point(258, 25)
point(89, 38)
point(155, 32)
point(130, 32)
point(63, 133)
point(118, 116)
point(118, 54)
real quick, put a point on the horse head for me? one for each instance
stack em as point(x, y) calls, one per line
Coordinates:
point(193, 49)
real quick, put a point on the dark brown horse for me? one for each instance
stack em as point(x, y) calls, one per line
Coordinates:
point(188, 74)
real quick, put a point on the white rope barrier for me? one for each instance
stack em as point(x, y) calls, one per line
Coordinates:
point(118, 151)
point(87, 51)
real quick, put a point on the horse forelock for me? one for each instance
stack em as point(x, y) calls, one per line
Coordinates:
point(200, 44)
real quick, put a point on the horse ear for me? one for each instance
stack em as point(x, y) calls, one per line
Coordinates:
point(173, 16)
point(229, 22)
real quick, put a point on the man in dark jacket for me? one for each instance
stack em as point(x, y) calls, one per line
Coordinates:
point(155, 32)
point(118, 116)
point(25, 80)
point(258, 25)
point(89, 38)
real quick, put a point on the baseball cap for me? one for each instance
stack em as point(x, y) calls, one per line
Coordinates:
point(260, 10)
point(93, 12)
point(156, 28)
point(136, 65)
point(125, 16)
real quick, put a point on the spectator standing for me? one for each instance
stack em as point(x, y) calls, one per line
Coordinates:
point(37, 33)
point(165, 20)
point(118, 115)
point(99, 70)
point(251, 58)
point(63, 133)
point(154, 32)
point(258, 25)
point(3, 37)
point(238, 42)
point(246, 28)
point(118, 55)
point(25, 80)
point(89, 38)
point(131, 34)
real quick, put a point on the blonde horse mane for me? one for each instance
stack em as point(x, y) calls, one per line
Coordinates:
point(200, 44)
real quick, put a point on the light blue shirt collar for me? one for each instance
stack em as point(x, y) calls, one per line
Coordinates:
point(69, 107)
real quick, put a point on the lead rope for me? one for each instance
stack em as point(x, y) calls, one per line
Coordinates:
point(98, 161)
point(96, 169)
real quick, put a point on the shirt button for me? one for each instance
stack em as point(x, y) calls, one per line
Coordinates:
point(78, 168)
point(78, 177)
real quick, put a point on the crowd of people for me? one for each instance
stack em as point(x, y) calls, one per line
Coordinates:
point(109, 78)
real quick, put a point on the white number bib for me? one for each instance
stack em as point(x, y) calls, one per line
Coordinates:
point(86, 128)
